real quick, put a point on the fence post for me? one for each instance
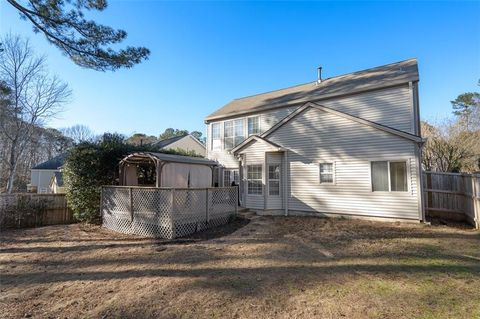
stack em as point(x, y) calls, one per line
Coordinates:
point(131, 203)
point(428, 177)
point(476, 202)
point(207, 206)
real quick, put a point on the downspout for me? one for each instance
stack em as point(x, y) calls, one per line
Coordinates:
point(421, 195)
point(285, 173)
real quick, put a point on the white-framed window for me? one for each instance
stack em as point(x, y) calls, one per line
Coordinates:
point(236, 176)
point(254, 179)
point(229, 176)
point(389, 176)
point(253, 125)
point(216, 136)
point(233, 133)
point(227, 180)
point(327, 175)
point(274, 179)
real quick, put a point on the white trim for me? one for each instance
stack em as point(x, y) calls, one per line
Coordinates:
point(255, 138)
point(320, 173)
point(407, 171)
point(211, 136)
point(247, 134)
point(286, 181)
point(261, 179)
point(380, 127)
point(279, 180)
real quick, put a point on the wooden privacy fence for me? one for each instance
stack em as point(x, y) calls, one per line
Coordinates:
point(33, 210)
point(452, 196)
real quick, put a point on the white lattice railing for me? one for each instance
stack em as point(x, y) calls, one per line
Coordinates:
point(166, 212)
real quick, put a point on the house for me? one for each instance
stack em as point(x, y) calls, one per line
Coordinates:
point(187, 143)
point(41, 174)
point(56, 183)
point(348, 145)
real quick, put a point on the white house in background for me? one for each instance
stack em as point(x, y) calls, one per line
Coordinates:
point(41, 175)
point(346, 145)
point(186, 143)
point(56, 183)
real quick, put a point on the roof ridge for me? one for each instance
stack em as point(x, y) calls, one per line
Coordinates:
point(330, 78)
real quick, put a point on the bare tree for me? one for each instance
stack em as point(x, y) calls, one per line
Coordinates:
point(35, 97)
point(450, 147)
point(78, 133)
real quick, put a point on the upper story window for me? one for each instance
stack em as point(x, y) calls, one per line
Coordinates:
point(233, 133)
point(389, 176)
point(216, 136)
point(253, 125)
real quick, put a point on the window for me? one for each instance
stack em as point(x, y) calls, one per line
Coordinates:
point(233, 133)
point(229, 176)
point(253, 125)
point(389, 176)
point(274, 179)
point(226, 178)
point(326, 173)
point(254, 179)
point(398, 177)
point(216, 137)
point(236, 176)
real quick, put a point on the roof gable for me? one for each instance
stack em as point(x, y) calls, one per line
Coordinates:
point(253, 139)
point(308, 105)
point(376, 78)
point(53, 163)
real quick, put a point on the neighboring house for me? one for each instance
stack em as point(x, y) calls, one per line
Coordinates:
point(187, 143)
point(346, 145)
point(56, 183)
point(41, 175)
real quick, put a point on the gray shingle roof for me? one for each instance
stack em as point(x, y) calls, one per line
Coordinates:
point(382, 76)
point(168, 141)
point(54, 163)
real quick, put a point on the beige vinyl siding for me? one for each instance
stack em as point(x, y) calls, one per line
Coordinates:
point(266, 120)
point(351, 146)
point(390, 107)
point(187, 143)
point(255, 155)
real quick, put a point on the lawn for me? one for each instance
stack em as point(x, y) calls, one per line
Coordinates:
point(272, 267)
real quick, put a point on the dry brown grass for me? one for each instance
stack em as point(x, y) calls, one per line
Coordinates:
point(271, 268)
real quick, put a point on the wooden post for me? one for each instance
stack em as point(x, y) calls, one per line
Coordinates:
point(207, 207)
point(428, 177)
point(476, 202)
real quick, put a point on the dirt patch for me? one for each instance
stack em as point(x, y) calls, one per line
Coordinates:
point(270, 267)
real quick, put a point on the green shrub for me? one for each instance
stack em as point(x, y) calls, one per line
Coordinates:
point(89, 165)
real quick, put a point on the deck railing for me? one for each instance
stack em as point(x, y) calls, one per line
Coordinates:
point(166, 212)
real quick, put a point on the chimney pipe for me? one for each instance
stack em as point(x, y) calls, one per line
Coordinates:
point(319, 76)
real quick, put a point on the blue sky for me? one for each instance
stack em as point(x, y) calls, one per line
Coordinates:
point(203, 54)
